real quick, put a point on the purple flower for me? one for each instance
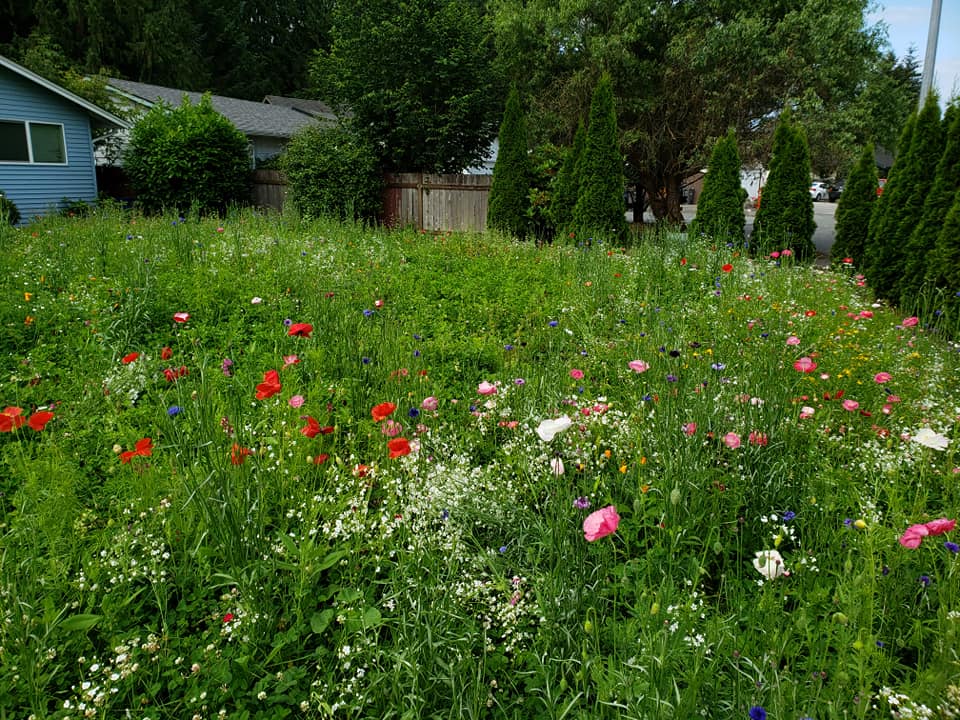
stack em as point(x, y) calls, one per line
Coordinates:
point(367, 313)
point(581, 503)
point(175, 410)
point(789, 515)
point(225, 367)
point(288, 322)
point(671, 378)
point(925, 580)
point(553, 323)
point(757, 713)
point(951, 546)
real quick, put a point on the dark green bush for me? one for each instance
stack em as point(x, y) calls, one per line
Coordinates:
point(720, 208)
point(333, 172)
point(8, 211)
point(510, 189)
point(854, 209)
point(184, 157)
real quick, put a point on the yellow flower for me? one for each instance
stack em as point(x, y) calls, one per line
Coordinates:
point(28, 296)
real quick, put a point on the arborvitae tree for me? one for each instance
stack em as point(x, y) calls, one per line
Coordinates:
point(914, 178)
point(875, 252)
point(567, 183)
point(854, 208)
point(720, 207)
point(600, 211)
point(947, 259)
point(510, 189)
point(785, 217)
point(921, 261)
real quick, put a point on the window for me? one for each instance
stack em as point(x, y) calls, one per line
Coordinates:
point(29, 142)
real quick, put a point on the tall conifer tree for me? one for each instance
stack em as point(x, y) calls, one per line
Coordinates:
point(854, 209)
point(567, 182)
point(720, 207)
point(510, 189)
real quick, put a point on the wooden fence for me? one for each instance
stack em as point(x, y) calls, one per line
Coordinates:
point(436, 202)
point(269, 189)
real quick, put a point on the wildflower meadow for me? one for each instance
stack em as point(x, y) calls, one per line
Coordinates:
point(262, 468)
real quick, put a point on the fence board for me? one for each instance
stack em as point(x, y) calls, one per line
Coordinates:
point(436, 202)
point(269, 189)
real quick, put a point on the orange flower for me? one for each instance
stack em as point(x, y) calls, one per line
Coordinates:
point(382, 411)
point(143, 447)
point(130, 357)
point(238, 454)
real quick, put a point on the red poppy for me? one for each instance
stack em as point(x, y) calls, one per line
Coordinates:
point(38, 421)
point(166, 353)
point(238, 454)
point(171, 374)
point(810, 313)
point(228, 617)
point(143, 447)
point(361, 471)
point(382, 411)
point(270, 385)
point(11, 419)
point(313, 428)
point(398, 447)
point(130, 357)
point(727, 268)
point(321, 458)
point(300, 330)
point(181, 317)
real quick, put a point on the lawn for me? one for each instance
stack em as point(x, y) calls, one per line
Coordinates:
point(264, 468)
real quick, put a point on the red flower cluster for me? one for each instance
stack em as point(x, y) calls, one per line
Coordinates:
point(239, 454)
point(313, 428)
point(382, 411)
point(12, 418)
point(270, 385)
point(172, 374)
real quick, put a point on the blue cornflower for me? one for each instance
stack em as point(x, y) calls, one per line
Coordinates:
point(288, 322)
point(951, 546)
point(413, 412)
point(925, 580)
point(174, 410)
point(519, 381)
point(503, 549)
point(367, 313)
point(417, 337)
point(553, 323)
point(671, 378)
point(718, 366)
point(789, 515)
point(365, 360)
point(445, 514)
point(416, 353)
point(508, 346)
point(758, 713)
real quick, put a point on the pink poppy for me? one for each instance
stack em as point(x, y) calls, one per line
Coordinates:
point(486, 388)
point(804, 365)
point(850, 405)
point(601, 523)
point(430, 404)
point(910, 321)
point(638, 366)
point(181, 317)
point(576, 374)
point(913, 535)
point(940, 526)
point(296, 401)
point(731, 440)
point(786, 252)
point(758, 438)
point(806, 412)
point(775, 254)
point(866, 314)
point(793, 340)
point(689, 429)
point(882, 377)
point(289, 360)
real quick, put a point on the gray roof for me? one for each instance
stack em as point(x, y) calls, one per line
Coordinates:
point(100, 116)
point(250, 118)
point(314, 108)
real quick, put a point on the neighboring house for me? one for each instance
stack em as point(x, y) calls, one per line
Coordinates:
point(313, 108)
point(46, 141)
point(267, 125)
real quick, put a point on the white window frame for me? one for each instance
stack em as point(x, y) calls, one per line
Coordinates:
point(27, 128)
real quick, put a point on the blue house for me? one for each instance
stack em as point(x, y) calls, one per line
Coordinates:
point(46, 141)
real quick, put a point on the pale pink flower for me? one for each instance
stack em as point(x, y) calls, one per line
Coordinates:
point(391, 428)
point(601, 523)
point(793, 340)
point(850, 405)
point(806, 412)
point(638, 366)
point(256, 300)
point(804, 365)
point(549, 428)
point(576, 374)
point(296, 401)
point(731, 440)
point(910, 321)
point(556, 466)
point(486, 388)
point(430, 404)
point(689, 429)
point(758, 438)
point(289, 360)
point(786, 252)
point(882, 377)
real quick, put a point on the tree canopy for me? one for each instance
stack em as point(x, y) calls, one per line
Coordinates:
point(682, 73)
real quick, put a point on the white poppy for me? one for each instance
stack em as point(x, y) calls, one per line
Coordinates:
point(769, 564)
point(556, 464)
point(548, 428)
point(929, 438)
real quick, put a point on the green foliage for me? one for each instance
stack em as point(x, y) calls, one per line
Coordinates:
point(184, 157)
point(430, 101)
point(945, 264)
point(512, 174)
point(566, 185)
point(720, 206)
point(920, 261)
point(9, 214)
point(785, 217)
point(333, 172)
point(600, 212)
point(901, 212)
point(854, 208)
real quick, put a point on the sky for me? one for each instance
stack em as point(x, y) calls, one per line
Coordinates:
point(908, 22)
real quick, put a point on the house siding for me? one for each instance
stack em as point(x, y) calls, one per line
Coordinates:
point(40, 189)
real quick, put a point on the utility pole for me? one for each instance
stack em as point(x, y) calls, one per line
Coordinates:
point(929, 60)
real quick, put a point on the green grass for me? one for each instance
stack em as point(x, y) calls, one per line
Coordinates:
point(228, 574)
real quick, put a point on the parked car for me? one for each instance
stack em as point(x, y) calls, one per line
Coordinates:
point(880, 183)
point(819, 191)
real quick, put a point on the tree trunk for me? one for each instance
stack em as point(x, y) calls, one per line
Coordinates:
point(666, 195)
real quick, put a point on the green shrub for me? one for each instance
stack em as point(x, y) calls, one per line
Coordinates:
point(333, 172)
point(510, 189)
point(566, 185)
point(720, 209)
point(9, 214)
point(600, 210)
point(184, 157)
point(854, 209)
